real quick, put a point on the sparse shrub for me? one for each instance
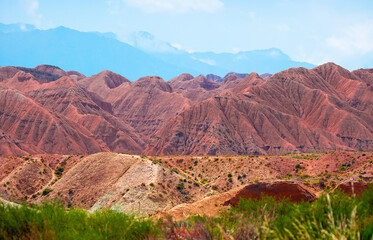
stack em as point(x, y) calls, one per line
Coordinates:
point(175, 171)
point(180, 186)
point(46, 191)
point(59, 172)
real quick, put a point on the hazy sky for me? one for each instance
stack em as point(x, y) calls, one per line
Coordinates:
point(316, 31)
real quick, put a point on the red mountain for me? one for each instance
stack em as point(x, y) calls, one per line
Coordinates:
point(294, 110)
point(321, 109)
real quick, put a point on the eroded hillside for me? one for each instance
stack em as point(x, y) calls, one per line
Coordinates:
point(147, 185)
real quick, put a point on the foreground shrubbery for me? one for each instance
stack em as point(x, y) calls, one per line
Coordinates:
point(52, 221)
point(334, 216)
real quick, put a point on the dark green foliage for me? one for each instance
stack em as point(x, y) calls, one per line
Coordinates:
point(46, 191)
point(180, 186)
point(59, 171)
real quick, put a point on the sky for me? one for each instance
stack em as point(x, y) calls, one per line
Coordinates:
point(315, 31)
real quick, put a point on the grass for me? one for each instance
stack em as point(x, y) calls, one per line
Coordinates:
point(333, 216)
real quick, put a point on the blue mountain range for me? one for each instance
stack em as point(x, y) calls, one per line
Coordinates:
point(92, 52)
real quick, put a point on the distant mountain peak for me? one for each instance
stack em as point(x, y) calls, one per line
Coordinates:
point(214, 77)
point(150, 82)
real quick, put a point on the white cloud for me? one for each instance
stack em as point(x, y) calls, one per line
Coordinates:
point(32, 7)
point(207, 61)
point(177, 46)
point(176, 6)
point(354, 39)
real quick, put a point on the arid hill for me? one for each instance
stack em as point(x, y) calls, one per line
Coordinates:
point(178, 185)
point(296, 110)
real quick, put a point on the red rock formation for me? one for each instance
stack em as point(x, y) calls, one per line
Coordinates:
point(321, 109)
point(279, 189)
point(147, 104)
point(195, 89)
point(103, 83)
point(65, 97)
point(352, 187)
point(294, 110)
point(7, 72)
point(30, 128)
point(365, 75)
point(51, 69)
point(54, 70)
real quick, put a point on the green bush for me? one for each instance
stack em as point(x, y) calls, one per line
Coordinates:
point(52, 221)
point(46, 191)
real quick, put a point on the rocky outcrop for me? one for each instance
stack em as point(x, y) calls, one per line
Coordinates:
point(292, 191)
point(211, 206)
point(352, 187)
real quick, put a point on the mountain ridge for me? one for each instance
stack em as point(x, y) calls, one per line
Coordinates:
point(92, 52)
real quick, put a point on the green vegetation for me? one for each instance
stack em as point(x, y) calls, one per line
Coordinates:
point(46, 191)
point(334, 216)
point(180, 186)
point(52, 221)
point(59, 172)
